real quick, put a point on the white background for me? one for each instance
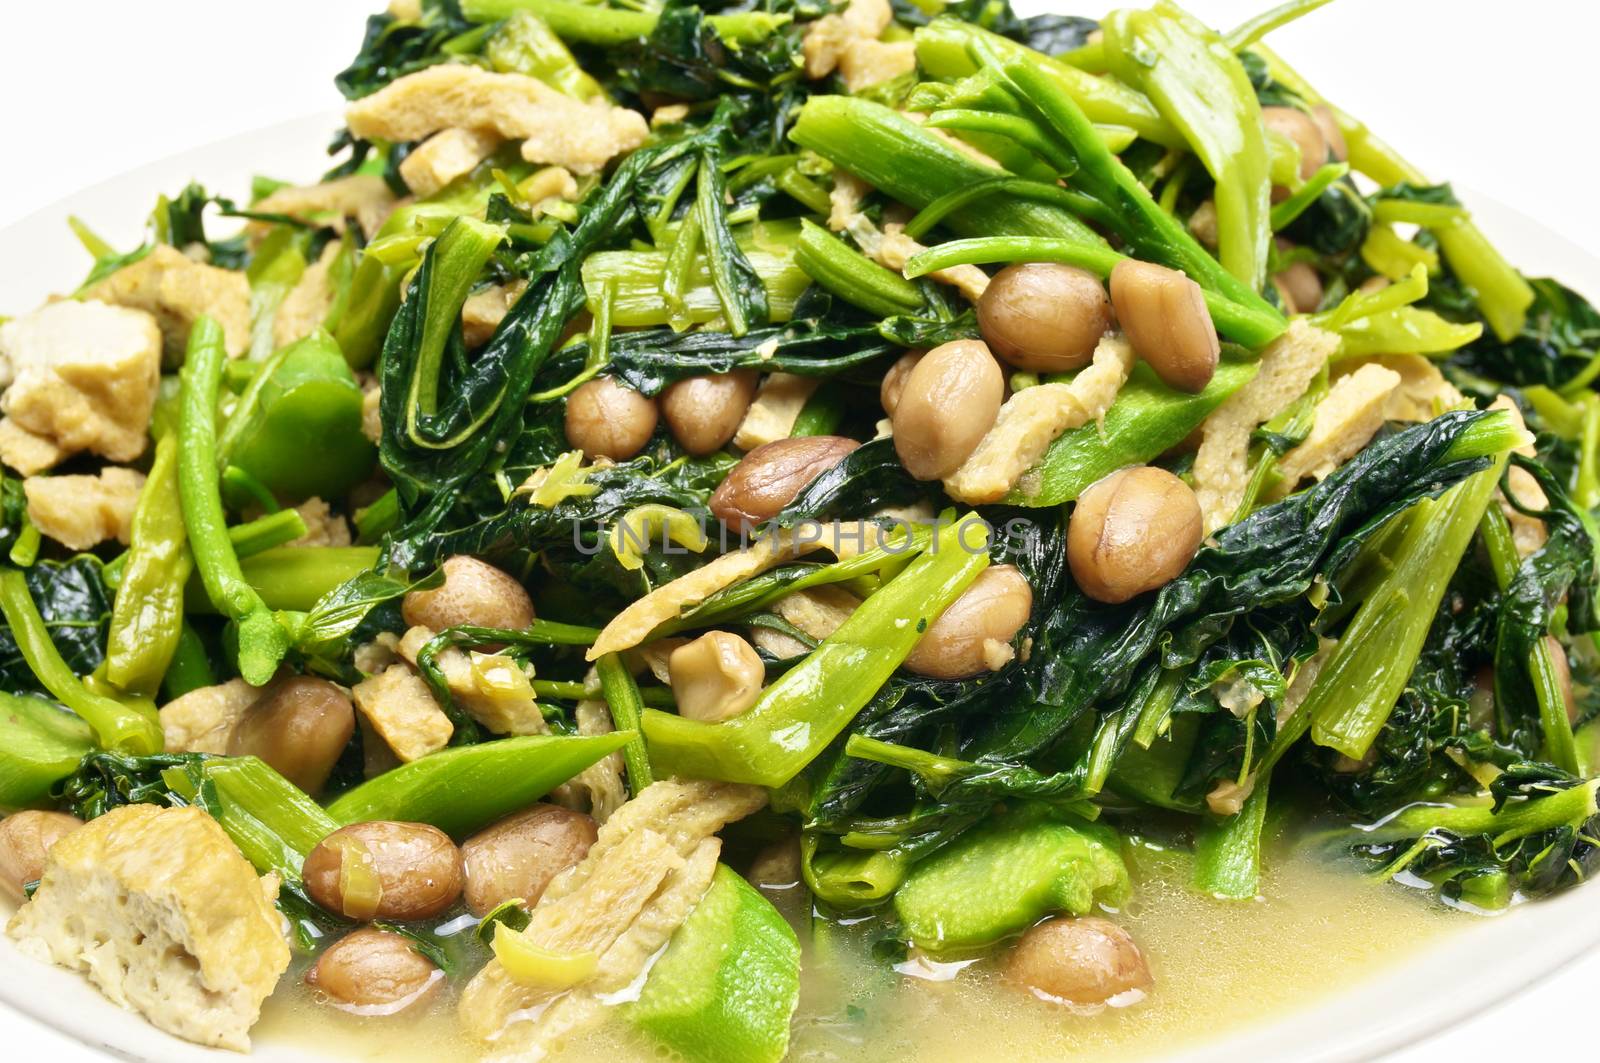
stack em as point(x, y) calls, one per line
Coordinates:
point(1498, 97)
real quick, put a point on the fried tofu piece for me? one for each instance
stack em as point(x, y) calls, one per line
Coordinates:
point(864, 63)
point(81, 512)
point(650, 866)
point(323, 526)
point(489, 687)
point(401, 708)
point(772, 413)
point(1344, 421)
point(1031, 420)
point(363, 196)
point(306, 306)
point(445, 156)
point(553, 127)
point(81, 376)
point(1221, 466)
point(26, 452)
point(829, 37)
point(1423, 393)
point(156, 906)
point(178, 290)
point(483, 311)
point(203, 720)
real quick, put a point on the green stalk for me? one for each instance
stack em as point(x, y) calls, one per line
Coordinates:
point(852, 276)
point(1284, 214)
point(945, 49)
point(822, 414)
point(608, 27)
point(892, 153)
point(1202, 90)
point(1252, 30)
point(274, 823)
point(262, 640)
point(1152, 232)
point(646, 289)
point(1244, 323)
point(1040, 191)
point(850, 878)
point(621, 696)
point(1228, 850)
point(265, 533)
point(1355, 692)
point(147, 614)
point(465, 788)
point(1504, 560)
point(374, 521)
point(116, 726)
point(1515, 820)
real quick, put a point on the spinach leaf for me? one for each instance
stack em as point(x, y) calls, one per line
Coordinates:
point(1563, 569)
point(76, 606)
point(1088, 651)
point(392, 48)
point(1559, 339)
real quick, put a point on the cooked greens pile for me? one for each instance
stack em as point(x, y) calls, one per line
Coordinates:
point(642, 369)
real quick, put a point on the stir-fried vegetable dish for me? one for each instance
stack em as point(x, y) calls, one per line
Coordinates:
point(691, 485)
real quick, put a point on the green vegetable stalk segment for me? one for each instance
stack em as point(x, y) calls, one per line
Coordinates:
point(116, 726)
point(147, 618)
point(945, 49)
point(39, 746)
point(1202, 90)
point(799, 714)
point(910, 163)
point(262, 640)
point(729, 981)
point(1147, 419)
point(304, 401)
point(1228, 850)
point(1002, 877)
point(264, 533)
point(466, 788)
point(276, 267)
point(850, 878)
point(1572, 806)
point(274, 823)
point(621, 694)
point(593, 24)
point(852, 276)
point(1541, 666)
point(1354, 693)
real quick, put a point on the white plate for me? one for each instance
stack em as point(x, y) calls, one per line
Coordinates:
point(1420, 994)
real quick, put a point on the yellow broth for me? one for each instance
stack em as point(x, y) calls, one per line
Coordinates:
point(1217, 966)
